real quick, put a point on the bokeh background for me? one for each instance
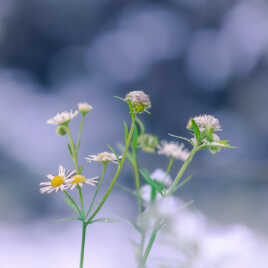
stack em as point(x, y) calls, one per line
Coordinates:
point(190, 56)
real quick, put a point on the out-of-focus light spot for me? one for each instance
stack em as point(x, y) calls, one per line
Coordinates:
point(140, 38)
point(209, 62)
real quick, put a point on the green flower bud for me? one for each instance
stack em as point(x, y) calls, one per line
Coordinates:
point(61, 131)
point(148, 143)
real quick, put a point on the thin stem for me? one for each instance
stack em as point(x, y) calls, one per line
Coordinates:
point(137, 180)
point(84, 229)
point(81, 200)
point(170, 164)
point(181, 171)
point(119, 168)
point(150, 244)
point(74, 152)
point(73, 202)
point(97, 189)
point(79, 133)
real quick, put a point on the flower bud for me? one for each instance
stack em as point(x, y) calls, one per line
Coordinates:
point(84, 108)
point(61, 130)
point(148, 143)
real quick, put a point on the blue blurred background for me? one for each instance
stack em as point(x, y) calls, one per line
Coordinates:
point(190, 56)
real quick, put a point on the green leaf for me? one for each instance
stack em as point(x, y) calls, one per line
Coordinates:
point(128, 190)
point(180, 137)
point(158, 186)
point(105, 220)
point(196, 131)
point(71, 203)
point(70, 150)
point(80, 170)
point(126, 132)
point(119, 98)
point(135, 138)
point(141, 126)
point(68, 219)
point(183, 182)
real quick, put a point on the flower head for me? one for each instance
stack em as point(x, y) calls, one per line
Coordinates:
point(84, 108)
point(57, 182)
point(148, 143)
point(205, 122)
point(173, 149)
point(62, 118)
point(103, 158)
point(80, 180)
point(139, 100)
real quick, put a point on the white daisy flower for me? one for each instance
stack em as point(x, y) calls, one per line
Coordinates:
point(80, 180)
point(204, 122)
point(161, 176)
point(62, 118)
point(84, 107)
point(103, 158)
point(173, 149)
point(57, 182)
point(139, 100)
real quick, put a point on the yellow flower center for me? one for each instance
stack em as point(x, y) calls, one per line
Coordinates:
point(57, 181)
point(79, 179)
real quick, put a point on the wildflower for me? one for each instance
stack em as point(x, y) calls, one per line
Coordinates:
point(139, 100)
point(148, 143)
point(84, 108)
point(161, 176)
point(62, 118)
point(205, 122)
point(80, 180)
point(103, 158)
point(173, 149)
point(57, 182)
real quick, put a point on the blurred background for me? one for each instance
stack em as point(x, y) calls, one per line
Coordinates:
point(190, 56)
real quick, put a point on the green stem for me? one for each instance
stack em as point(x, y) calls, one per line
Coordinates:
point(73, 202)
point(84, 229)
point(150, 244)
point(97, 189)
point(181, 171)
point(137, 181)
point(119, 168)
point(79, 133)
point(81, 200)
point(170, 164)
point(74, 152)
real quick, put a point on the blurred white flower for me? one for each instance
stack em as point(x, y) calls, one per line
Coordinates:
point(173, 149)
point(161, 176)
point(80, 180)
point(104, 157)
point(62, 118)
point(57, 182)
point(146, 194)
point(84, 107)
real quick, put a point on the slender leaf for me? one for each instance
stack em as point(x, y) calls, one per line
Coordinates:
point(70, 150)
point(105, 220)
point(183, 182)
point(126, 131)
point(71, 203)
point(67, 219)
point(180, 137)
point(196, 130)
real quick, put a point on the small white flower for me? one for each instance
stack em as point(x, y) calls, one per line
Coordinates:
point(104, 157)
point(139, 100)
point(161, 176)
point(84, 107)
point(80, 180)
point(57, 182)
point(61, 118)
point(206, 121)
point(173, 149)
point(215, 139)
